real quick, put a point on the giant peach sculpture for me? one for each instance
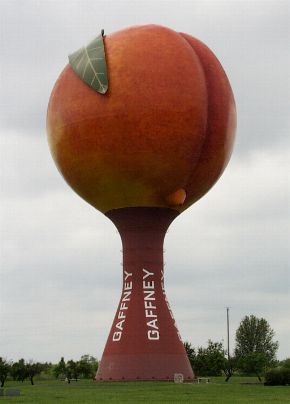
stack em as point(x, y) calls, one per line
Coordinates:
point(141, 148)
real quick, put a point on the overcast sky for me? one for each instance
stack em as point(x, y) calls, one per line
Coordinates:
point(60, 259)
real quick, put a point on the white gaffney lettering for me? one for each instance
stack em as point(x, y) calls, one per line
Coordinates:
point(149, 305)
point(126, 296)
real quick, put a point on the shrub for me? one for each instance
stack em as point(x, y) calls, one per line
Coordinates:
point(209, 361)
point(285, 363)
point(277, 377)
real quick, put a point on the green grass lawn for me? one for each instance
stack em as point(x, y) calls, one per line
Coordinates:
point(86, 391)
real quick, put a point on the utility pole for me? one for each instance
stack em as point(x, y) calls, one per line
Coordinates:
point(228, 332)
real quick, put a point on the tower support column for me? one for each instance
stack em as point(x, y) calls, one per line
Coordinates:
point(144, 342)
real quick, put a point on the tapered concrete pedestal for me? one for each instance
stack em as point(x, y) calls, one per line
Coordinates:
point(144, 343)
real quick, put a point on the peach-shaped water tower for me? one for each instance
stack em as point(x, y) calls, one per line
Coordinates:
point(141, 125)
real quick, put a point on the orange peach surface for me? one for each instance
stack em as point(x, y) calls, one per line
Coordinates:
point(162, 134)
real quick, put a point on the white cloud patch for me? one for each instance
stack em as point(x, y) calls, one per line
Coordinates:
point(232, 249)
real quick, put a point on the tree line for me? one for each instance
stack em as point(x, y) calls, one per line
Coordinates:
point(254, 353)
point(86, 368)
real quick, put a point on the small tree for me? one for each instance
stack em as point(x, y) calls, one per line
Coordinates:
point(214, 358)
point(33, 369)
point(4, 370)
point(69, 370)
point(255, 348)
point(60, 369)
point(72, 370)
point(18, 370)
point(230, 365)
point(209, 361)
point(88, 365)
point(253, 363)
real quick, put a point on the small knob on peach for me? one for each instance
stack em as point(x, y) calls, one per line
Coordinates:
point(177, 198)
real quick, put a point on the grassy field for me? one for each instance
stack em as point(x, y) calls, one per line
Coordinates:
point(86, 391)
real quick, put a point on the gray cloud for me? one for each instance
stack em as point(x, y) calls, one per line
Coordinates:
point(60, 259)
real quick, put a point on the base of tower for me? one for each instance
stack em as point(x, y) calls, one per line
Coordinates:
point(162, 367)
